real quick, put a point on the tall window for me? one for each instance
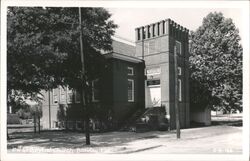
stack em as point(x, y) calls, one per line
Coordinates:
point(179, 70)
point(55, 98)
point(95, 90)
point(178, 47)
point(130, 90)
point(69, 95)
point(179, 87)
point(62, 95)
point(130, 71)
point(77, 97)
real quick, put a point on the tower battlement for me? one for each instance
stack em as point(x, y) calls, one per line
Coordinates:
point(161, 28)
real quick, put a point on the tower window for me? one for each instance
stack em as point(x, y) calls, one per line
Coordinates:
point(179, 70)
point(178, 47)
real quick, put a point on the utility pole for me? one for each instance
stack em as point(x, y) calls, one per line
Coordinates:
point(177, 118)
point(86, 121)
point(49, 110)
point(142, 43)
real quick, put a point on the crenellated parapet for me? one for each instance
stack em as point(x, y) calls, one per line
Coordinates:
point(161, 28)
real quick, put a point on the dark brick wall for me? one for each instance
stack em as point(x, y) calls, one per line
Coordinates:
point(113, 94)
point(122, 107)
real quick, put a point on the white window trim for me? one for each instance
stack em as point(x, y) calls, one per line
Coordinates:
point(132, 69)
point(76, 99)
point(133, 91)
point(178, 42)
point(180, 90)
point(93, 93)
point(54, 94)
point(179, 71)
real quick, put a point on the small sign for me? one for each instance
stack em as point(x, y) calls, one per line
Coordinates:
point(153, 71)
point(153, 82)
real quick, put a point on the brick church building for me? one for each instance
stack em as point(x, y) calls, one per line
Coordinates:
point(119, 90)
point(139, 82)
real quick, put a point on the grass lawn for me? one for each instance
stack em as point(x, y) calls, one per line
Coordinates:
point(206, 140)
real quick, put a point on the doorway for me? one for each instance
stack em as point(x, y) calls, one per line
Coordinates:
point(153, 93)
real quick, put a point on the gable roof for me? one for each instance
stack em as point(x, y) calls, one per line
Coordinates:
point(123, 46)
point(123, 57)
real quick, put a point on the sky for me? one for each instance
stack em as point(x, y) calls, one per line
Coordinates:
point(128, 19)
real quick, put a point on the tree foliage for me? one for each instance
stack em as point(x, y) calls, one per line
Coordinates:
point(29, 111)
point(216, 63)
point(43, 46)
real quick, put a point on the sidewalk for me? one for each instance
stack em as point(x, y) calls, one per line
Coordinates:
point(206, 140)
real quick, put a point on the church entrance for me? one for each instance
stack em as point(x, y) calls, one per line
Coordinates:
point(153, 93)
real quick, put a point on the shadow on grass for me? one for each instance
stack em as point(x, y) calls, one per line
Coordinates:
point(73, 140)
point(225, 122)
point(229, 123)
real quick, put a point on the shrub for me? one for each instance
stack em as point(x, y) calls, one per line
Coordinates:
point(13, 119)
